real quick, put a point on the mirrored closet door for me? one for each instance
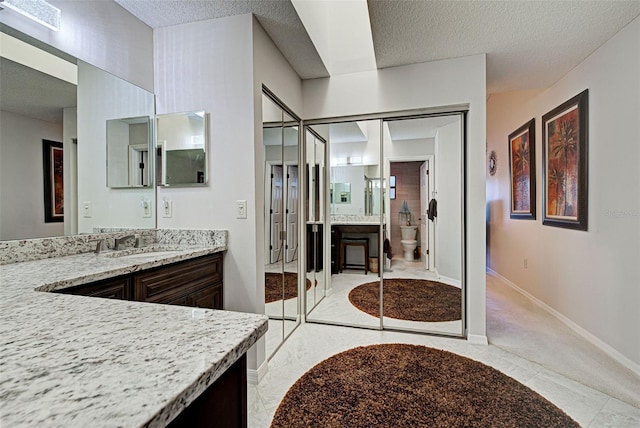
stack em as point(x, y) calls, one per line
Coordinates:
point(281, 221)
point(422, 279)
point(394, 236)
point(315, 217)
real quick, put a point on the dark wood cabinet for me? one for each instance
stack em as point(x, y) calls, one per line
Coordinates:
point(195, 282)
point(172, 283)
point(223, 404)
point(112, 288)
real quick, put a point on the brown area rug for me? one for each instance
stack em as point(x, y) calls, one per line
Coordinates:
point(410, 299)
point(396, 385)
point(273, 286)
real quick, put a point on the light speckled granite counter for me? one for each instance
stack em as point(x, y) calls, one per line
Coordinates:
point(70, 360)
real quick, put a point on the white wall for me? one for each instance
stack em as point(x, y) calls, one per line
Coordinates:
point(271, 69)
point(101, 33)
point(219, 66)
point(117, 99)
point(433, 84)
point(448, 183)
point(592, 278)
point(21, 177)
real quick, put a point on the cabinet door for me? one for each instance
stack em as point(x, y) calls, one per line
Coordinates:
point(112, 288)
point(209, 297)
point(169, 284)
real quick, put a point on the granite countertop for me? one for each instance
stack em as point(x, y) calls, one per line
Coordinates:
point(69, 360)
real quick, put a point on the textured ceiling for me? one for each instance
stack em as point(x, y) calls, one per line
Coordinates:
point(529, 44)
point(278, 18)
point(28, 92)
point(413, 129)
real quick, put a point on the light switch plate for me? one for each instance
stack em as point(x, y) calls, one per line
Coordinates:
point(241, 209)
point(167, 208)
point(87, 211)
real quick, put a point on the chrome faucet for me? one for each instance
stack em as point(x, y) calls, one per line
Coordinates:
point(99, 246)
point(124, 238)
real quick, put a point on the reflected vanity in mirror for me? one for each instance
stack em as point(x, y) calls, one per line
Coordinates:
point(396, 262)
point(181, 154)
point(128, 147)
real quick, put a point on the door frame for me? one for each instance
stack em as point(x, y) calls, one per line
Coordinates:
point(387, 173)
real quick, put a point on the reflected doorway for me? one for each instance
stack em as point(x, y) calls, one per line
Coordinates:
point(395, 252)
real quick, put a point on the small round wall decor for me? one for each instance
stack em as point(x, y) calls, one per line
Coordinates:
point(493, 162)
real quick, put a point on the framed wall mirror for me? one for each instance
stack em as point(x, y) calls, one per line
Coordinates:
point(181, 153)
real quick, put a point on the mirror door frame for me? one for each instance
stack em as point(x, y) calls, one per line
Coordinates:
point(462, 110)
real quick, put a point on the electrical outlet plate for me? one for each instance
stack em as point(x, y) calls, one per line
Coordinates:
point(146, 208)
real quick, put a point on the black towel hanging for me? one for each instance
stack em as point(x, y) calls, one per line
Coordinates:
point(432, 211)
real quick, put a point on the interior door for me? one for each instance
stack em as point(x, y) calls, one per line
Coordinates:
point(276, 213)
point(424, 203)
point(292, 213)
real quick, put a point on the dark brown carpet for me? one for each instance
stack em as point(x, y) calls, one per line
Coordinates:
point(397, 385)
point(273, 286)
point(410, 299)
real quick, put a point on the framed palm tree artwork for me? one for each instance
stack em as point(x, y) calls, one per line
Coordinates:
point(565, 131)
point(522, 171)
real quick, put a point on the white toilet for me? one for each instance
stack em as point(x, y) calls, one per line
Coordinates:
point(409, 242)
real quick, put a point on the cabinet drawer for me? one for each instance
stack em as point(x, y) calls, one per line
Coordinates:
point(168, 284)
point(112, 288)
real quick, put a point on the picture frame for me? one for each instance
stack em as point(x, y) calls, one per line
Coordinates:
point(522, 171)
point(565, 133)
point(52, 162)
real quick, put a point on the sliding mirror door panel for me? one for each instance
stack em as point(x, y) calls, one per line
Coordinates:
point(282, 220)
point(422, 281)
point(315, 217)
point(352, 235)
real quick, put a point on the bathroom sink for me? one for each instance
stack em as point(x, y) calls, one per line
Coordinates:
point(143, 252)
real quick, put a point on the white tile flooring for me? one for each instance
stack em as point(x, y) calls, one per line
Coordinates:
point(336, 306)
point(312, 343)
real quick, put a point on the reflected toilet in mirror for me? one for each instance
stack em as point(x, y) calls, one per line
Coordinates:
point(395, 239)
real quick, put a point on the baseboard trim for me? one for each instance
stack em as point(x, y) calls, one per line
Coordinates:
point(255, 376)
point(450, 281)
point(594, 340)
point(477, 339)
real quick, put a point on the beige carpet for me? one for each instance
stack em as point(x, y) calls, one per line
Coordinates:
point(517, 325)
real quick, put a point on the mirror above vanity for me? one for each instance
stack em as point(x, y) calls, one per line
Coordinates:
point(38, 104)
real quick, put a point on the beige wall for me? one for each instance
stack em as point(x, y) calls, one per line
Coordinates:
point(407, 189)
point(592, 278)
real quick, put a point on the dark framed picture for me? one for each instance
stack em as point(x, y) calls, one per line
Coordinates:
point(522, 171)
point(565, 131)
point(53, 181)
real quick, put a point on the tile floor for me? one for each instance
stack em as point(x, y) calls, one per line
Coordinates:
point(335, 307)
point(312, 343)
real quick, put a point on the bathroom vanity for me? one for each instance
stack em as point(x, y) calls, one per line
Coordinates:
point(74, 360)
point(345, 229)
